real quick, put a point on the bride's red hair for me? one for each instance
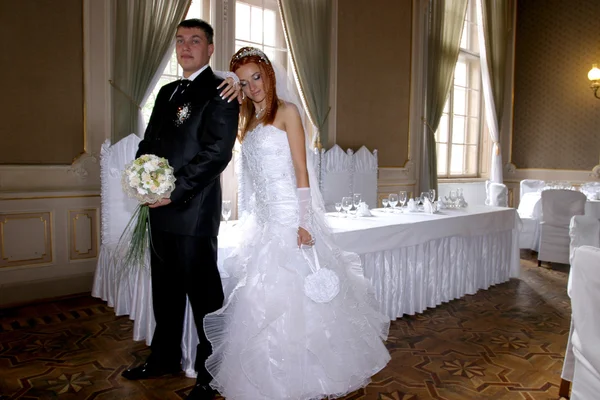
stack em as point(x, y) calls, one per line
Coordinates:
point(251, 55)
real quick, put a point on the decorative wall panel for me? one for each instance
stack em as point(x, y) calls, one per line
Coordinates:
point(374, 78)
point(42, 104)
point(556, 117)
point(83, 232)
point(25, 239)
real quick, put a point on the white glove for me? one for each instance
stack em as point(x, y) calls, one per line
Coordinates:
point(232, 75)
point(304, 208)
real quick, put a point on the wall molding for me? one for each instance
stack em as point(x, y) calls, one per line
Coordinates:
point(513, 173)
point(80, 166)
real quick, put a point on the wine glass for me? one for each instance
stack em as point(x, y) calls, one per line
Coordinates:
point(338, 208)
point(356, 200)
point(384, 203)
point(432, 195)
point(226, 210)
point(347, 204)
point(393, 200)
point(453, 197)
point(402, 198)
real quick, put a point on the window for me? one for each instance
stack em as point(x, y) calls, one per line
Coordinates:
point(198, 9)
point(459, 138)
point(258, 24)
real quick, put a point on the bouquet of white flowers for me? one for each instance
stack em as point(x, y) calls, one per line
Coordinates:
point(147, 179)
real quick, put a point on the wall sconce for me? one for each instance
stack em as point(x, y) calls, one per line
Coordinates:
point(594, 76)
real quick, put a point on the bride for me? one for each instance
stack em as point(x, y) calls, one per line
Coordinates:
point(271, 340)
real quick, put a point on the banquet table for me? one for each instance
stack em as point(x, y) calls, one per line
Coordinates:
point(414, 261)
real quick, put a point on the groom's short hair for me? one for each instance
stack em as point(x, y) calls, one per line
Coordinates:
point(200, 24)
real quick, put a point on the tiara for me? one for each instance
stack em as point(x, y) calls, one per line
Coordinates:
point(251, 51)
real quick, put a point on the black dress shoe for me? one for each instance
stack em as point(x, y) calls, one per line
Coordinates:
point(150, 370)
point(202, 392)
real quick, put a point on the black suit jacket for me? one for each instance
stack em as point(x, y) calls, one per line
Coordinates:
point(199, 148)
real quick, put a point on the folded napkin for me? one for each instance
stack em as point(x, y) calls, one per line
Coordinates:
point(363, 210)
point(429, 207)
point(411, 205)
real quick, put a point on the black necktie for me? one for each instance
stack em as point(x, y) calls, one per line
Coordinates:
point(183, 85)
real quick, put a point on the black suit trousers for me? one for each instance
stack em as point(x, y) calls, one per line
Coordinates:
point(183, 265)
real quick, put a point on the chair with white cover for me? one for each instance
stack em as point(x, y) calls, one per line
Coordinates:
point(531, 186)
point(116, 210)
point(364, 178)
point(530, 213)
point(336, 176)
point(496, 194)
point(584, 231)
point(582, 358)
point(558, 207)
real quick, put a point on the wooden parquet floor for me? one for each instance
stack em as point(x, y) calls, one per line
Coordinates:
point(507, 342)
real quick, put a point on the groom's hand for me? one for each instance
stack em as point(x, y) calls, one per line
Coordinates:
point(160, 203)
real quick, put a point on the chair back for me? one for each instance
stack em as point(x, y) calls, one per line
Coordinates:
point(584, 290)
point(584, 231)
point(336, 176)
point(530, 205)
point(364, 178)
point(530, 185)
point(497, 194)
point(117, 208)
point(559, 206)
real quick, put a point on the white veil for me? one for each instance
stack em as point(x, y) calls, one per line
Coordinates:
point(288, 91)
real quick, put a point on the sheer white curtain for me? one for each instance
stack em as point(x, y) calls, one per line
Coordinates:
point(494, 25)
point(145, 32)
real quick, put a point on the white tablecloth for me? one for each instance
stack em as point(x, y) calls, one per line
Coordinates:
point(414, 261)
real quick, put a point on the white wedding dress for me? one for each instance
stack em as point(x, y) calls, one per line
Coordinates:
point(270, 341)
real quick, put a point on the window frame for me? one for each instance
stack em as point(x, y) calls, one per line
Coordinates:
point(482, 144)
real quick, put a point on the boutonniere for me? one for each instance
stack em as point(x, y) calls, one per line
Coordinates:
point(183, 112)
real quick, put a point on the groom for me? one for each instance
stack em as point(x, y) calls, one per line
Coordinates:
point(195, 130)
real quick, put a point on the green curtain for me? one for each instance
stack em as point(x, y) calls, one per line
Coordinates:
point(144, 39)
point(497, 27)
point(446, 19)
point(307, 24)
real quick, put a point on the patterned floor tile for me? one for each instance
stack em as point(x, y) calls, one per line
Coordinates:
point(507, 342)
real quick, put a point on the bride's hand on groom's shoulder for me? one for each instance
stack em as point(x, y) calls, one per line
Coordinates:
point(231, 90)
